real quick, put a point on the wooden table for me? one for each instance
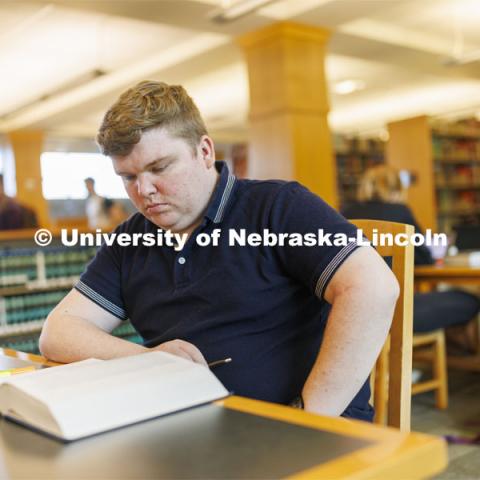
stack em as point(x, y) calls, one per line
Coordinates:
point(428, 277)
point(234, 438)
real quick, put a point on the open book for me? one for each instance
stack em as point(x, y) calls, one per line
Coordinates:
point(83, 398)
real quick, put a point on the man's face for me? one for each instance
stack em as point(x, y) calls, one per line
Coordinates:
point(167, 181)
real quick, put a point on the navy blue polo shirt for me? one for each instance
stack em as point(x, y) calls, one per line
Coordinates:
point(261, 305)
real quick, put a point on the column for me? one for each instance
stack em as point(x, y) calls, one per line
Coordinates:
point(290, 137)
point(27, 146)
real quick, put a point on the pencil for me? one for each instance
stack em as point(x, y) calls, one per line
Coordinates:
point(16, 371)
point(219, 362)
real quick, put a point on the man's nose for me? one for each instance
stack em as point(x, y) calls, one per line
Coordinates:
point(146, 188)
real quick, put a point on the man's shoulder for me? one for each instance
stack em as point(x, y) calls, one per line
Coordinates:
point(260, 195)
point(264, 196)
point(267, 188)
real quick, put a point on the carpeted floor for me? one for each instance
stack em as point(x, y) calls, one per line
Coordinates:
point(462, 418)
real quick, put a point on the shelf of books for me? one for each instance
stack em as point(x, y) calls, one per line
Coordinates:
point(445, 159)
point(354, 156)
point(456, 156)
point(33, 280)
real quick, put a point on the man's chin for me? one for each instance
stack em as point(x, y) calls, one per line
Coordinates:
point(170, 221)
point(162, 221)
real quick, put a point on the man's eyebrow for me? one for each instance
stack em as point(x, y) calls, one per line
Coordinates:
point(121, 173)
point(149, 164)
point(166, 158)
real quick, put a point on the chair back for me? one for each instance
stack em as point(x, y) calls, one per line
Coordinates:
point(394, 364)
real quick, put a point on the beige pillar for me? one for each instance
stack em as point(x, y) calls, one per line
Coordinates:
point(290, 137)
point(27, 147)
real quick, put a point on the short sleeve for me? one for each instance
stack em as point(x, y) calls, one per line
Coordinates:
point(101, 281)
point(297, 210)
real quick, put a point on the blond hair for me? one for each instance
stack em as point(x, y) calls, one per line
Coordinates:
point(149, 105)
point(381, 183)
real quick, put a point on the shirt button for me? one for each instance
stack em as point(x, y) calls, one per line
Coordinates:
point(181, 260)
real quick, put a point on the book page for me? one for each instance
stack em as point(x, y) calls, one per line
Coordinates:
point(28, 410)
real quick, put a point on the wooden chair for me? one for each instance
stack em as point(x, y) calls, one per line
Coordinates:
point(394, 364)
point(430, 348)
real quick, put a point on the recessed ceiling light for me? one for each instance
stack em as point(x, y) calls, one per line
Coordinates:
point(348, 86)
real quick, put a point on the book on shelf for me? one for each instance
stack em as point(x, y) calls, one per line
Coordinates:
point(93, 396)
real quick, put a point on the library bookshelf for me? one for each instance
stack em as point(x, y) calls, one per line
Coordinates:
point(354, 156)
point(445, 159)
point(33, 280)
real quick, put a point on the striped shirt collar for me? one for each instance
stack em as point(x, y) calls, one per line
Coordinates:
point(221, 194)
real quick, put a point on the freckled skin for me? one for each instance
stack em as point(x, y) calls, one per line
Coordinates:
point(174, 192)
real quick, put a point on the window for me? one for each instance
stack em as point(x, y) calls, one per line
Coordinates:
point(7, 168)
point(63, 175)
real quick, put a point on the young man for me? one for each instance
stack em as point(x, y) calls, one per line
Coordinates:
point(264, 306)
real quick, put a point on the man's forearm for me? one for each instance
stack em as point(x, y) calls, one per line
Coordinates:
point(82, 340)
point(355, 333)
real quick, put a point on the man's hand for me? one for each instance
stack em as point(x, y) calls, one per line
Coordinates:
point(182, 349)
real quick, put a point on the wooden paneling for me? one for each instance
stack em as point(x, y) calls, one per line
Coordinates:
point(410, 148)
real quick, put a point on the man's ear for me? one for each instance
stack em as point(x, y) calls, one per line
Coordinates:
point(207, 150)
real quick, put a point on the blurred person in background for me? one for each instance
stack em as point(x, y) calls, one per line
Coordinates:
point(94, 206)
point(381, 196)
point(13, 215)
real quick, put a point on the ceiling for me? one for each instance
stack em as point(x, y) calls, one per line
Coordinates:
point(63, 62)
